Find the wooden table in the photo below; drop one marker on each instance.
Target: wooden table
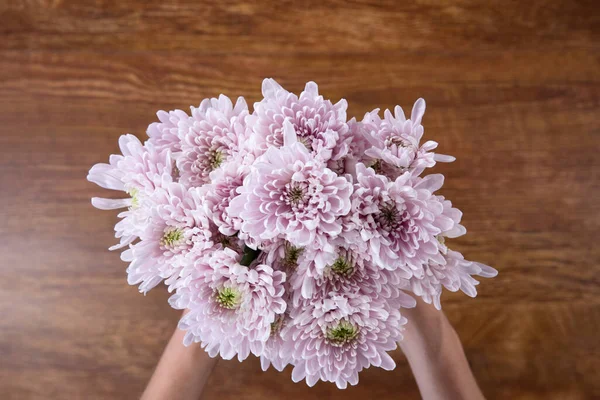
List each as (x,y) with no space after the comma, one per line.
(512,90)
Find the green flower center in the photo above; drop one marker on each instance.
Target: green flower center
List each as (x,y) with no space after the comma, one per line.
(172,237)
(291,256)
(343,267)
(228,298)
(135,200)
(344,332)
(215,159)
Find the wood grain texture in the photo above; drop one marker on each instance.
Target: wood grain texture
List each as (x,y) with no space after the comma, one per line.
(513,91)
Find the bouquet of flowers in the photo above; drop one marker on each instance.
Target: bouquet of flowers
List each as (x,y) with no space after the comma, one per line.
(288,232)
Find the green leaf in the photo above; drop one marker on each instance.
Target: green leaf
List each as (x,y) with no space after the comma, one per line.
(249,256)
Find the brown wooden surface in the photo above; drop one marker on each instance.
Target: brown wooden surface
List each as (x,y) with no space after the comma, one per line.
(513,90)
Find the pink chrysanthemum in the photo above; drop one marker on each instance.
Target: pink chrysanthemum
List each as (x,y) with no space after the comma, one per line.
(289,233)
(290,195)
(214,134)
(138,172)
(271,354)
(317,122)
(346,263)
(351,147)
(231,306)
(348,270)
(455,214)
(217,196)
(399,219)
(334,338)
(454,274)
(282,255)
(177,232)
(395,142)
(164,135)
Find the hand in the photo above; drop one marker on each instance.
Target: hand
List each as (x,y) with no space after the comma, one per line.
(430,344)
(436,356)
(181,372)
